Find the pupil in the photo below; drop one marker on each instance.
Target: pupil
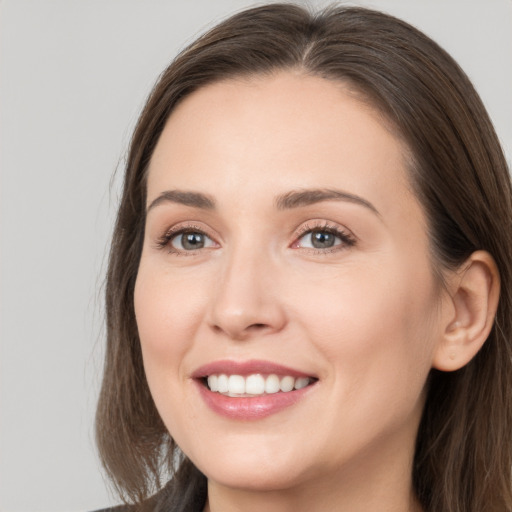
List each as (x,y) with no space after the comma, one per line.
(321,239)
(192,241)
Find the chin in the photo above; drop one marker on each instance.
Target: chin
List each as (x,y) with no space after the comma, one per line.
(253,469)
(254,479)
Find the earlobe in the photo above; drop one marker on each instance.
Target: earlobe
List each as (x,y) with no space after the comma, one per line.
(474,294)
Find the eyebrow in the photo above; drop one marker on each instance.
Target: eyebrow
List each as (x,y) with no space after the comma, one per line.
(290,200)
(299,198)
(193,199)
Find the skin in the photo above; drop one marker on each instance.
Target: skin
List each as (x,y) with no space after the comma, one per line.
(366,318)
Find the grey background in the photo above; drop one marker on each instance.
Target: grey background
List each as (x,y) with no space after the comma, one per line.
(73,77)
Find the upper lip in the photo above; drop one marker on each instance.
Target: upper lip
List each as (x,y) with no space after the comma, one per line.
(231,367)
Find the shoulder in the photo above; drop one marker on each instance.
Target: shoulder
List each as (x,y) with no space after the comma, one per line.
(153,504)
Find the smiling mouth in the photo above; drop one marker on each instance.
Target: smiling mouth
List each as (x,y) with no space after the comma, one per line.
(255,385)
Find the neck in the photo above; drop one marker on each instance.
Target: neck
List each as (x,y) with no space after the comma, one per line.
(220,500)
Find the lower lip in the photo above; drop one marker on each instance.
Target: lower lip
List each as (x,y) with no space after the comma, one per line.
(251,408)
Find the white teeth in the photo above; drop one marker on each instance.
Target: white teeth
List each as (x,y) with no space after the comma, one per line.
(255,384)
(222,384)
(272,384)
(301,382)
(287,384)
(236,384)
(213,382)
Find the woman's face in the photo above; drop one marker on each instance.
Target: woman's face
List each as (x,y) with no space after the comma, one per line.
(284,247)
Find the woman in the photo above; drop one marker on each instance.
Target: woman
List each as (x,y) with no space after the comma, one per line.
(309,297)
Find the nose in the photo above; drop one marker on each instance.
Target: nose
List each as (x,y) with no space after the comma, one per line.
(247,300)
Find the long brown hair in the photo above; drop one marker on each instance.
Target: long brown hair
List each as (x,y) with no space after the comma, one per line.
(463,455)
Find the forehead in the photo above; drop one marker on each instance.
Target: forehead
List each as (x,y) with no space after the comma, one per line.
(267,134)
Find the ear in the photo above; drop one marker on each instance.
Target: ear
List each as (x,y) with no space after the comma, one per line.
(474,291)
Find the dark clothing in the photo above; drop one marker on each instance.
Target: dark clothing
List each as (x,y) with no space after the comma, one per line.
(191,499)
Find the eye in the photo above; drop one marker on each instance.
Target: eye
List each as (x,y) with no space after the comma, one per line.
(185,240)
(320,240)
(190,241)
(324,238)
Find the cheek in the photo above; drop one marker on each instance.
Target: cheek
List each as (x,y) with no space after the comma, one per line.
(167,311)
(168,315)
(377,329)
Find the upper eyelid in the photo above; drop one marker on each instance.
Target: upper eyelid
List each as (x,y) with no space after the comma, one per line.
(191,226)
(323,224)
(164,239)
(345,235)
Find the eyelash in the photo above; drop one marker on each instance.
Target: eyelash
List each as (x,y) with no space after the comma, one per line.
(164,242)
(347,239)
